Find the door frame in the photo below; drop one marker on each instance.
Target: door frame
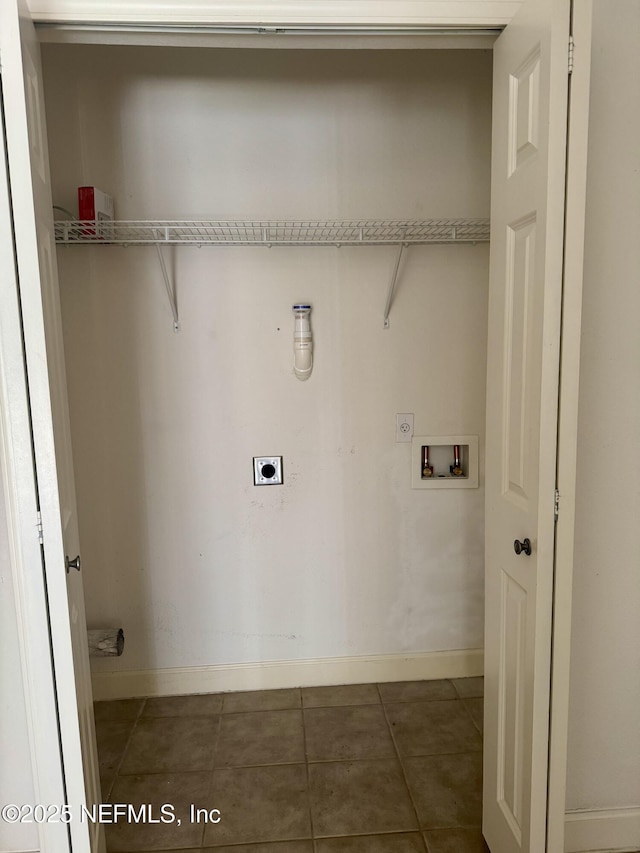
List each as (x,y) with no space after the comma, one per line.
(16,436)
(17,479)
(385,14)
(566,465)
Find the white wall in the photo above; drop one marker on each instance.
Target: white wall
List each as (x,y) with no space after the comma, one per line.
(16,779)
(604,754)
(199,566)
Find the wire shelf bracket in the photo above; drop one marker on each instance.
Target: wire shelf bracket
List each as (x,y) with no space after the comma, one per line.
(361,232)
(392,285)
(171,289)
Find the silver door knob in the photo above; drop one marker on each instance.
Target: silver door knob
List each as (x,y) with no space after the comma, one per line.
(73,564)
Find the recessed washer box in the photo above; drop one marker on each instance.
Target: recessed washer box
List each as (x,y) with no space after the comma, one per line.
(267,470)
(441,459)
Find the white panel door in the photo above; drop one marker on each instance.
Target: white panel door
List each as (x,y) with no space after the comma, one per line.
(39,298)
(527,216)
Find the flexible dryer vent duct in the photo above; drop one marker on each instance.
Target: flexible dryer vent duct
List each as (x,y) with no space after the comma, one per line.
(302,342)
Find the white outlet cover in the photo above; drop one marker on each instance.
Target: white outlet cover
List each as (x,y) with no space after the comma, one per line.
(404,427)
(267,470)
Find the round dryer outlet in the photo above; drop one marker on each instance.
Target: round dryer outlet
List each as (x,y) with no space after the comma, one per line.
(267,470)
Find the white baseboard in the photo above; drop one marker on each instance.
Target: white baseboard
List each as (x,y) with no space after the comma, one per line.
(270,675)
(603,830)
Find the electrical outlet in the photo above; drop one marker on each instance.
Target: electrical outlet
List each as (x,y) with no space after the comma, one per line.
(404,427)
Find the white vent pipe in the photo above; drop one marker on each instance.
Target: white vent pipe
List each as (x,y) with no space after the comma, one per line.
(302,342)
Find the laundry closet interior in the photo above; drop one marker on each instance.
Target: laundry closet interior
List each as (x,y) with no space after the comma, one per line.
(213,578)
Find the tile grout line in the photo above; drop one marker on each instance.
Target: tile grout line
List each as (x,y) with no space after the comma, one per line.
(210,789)
(116,775)
(306,768)
(402,770)
(291,762)
(224,713)
(477,727)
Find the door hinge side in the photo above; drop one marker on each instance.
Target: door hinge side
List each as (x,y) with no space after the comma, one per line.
(556,504)
(571,49)
(39,528)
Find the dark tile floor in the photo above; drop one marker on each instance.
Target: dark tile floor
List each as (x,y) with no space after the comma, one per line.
(363,768)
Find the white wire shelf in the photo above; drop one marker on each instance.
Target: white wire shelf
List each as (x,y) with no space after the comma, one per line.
(362,232)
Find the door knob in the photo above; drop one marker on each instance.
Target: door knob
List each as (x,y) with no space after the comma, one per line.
(72,564)
(523,547)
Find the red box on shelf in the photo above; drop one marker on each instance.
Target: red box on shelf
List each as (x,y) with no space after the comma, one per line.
(94,206)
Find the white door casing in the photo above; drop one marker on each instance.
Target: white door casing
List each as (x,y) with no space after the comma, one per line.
(18,483)
(575,206)
(346,13)
(40,305)
(527,216)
